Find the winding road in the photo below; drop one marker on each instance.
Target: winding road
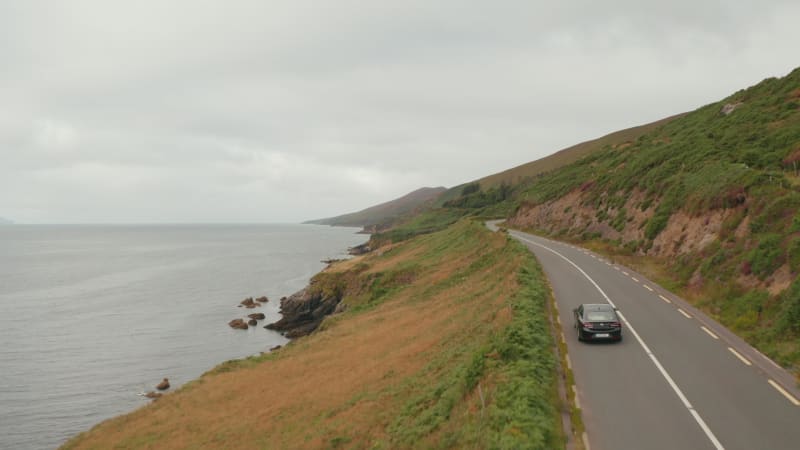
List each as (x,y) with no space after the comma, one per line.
(678,379)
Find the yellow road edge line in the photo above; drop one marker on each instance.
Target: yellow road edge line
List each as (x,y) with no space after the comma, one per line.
(738,355)
(780,389)
(709,332)
(685,314)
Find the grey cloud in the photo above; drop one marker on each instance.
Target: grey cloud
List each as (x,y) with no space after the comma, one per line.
(282,111)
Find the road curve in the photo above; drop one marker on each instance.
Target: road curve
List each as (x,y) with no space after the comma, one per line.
(678,380)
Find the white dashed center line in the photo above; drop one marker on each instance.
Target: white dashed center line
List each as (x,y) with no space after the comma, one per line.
(665,298)
(689,407)
(709,332)
(741,358)
(685,314)
(785,394)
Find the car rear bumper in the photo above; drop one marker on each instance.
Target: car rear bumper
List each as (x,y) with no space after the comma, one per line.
(601,335)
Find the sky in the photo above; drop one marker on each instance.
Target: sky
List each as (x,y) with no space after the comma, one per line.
(289,110)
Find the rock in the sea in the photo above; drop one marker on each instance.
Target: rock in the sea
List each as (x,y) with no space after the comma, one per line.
(277,347)
(252,322)
(257,316)
(153,394)
(238,324)
(164,385)
(247,302)
(262,299)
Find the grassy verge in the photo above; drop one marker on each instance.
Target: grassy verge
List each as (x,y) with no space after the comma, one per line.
(445,344)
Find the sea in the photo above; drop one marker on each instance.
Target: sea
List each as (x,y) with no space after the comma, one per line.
(92,316)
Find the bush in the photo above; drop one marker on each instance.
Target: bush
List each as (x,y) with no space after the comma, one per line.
(767,257)
(793,254)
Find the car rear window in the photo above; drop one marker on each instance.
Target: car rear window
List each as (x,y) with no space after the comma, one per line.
(599,315)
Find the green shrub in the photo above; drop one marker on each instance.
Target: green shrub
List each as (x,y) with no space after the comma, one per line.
(793,254)
(790,317)
(767,257)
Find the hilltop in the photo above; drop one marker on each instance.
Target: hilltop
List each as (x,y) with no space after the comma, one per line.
(383,215)
(527,172)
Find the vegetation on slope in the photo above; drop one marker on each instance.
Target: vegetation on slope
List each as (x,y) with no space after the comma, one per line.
(713,197)
(525,173)
(444,343)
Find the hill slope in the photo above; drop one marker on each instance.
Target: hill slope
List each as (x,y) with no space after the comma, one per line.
(425,355)
(388,212)
(709,200)
(526,172)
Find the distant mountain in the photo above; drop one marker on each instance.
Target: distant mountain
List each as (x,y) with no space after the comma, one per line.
(388,212)
(6,221)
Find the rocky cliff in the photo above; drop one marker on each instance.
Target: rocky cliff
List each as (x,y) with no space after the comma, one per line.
(303,311)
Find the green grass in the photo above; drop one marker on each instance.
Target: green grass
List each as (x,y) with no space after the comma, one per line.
(523,413)
(423,223)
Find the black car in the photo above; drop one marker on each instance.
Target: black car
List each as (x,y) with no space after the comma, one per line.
(597,322)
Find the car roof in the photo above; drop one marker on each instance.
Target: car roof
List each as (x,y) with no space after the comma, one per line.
(598,306)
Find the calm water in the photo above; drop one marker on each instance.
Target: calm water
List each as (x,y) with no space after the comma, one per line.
(90,316)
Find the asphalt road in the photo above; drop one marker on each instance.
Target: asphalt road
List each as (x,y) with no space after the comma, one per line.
(678,379)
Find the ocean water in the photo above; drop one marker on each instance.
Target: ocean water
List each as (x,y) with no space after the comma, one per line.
(92,316)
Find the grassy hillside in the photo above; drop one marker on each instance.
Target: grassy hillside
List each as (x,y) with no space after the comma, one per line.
(444,343)
(710,200)
(384,215)
(526,172)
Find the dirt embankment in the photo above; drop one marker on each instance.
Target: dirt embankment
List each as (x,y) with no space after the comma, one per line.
(576,215)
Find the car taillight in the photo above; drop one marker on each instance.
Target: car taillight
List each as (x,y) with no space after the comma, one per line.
(588,325)
(616,324)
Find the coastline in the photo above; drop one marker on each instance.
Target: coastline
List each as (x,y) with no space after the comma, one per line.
(126,306)
(303,312)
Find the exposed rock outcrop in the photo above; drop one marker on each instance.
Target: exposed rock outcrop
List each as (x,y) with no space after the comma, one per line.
(262,299)
(730,107)
(257,316)
(304,311)
(153,394)
(252,322)
(359,249)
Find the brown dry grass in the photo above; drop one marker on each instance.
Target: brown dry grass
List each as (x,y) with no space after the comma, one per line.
(343,385)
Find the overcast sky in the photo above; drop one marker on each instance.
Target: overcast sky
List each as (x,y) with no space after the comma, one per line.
(283,111)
